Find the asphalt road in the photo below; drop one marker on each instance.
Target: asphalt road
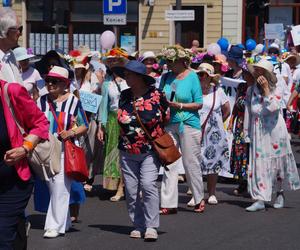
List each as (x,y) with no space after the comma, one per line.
(105,225)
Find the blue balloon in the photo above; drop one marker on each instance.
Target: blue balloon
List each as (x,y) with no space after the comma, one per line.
(250,44)
(240,45)
(223,43)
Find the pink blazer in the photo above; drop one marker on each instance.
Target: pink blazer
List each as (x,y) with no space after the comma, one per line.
(29,116)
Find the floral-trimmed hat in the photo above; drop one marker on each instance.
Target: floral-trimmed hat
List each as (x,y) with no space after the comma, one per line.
(115,53)
(174,53)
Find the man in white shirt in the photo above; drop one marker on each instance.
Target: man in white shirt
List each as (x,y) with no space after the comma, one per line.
(10,31)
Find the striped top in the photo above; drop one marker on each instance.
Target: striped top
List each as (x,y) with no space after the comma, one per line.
(69,113)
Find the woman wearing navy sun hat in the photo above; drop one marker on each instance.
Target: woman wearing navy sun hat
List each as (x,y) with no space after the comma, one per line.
(139,163)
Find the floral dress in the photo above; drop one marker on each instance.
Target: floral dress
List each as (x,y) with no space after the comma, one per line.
(271,164)
(239,151)
(214,146)
(152,108)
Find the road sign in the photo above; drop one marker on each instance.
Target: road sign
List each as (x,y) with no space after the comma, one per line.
(113,7)
(114,20)
(180,15)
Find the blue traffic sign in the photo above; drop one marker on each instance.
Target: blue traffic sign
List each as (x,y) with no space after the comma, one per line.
(7,3)
(111,7)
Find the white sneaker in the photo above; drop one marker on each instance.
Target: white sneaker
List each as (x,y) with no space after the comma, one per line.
(256,206)
(151,234)
(279,202)
(51,233)
(212,200)
(191,203)
(189,192)
(136,234)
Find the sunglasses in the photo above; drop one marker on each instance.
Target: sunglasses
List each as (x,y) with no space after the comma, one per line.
(20,29)
(53,81)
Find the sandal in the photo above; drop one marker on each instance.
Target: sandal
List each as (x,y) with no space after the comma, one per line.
(88,187)
(116,198)
(167,211)
(199,208)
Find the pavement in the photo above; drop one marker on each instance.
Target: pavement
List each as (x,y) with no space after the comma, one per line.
(106,225)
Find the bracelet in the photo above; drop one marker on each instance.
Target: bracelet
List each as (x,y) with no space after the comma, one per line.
(28,145)
(26,150)
(181,106)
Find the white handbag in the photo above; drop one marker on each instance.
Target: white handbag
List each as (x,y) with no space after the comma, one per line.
(45,159)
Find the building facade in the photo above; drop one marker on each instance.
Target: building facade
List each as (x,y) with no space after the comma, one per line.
(147,29)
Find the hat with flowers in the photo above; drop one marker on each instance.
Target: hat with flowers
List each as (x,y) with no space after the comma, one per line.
(173,53)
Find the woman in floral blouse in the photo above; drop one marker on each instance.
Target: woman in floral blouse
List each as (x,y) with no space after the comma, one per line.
(139,164)
(272,162)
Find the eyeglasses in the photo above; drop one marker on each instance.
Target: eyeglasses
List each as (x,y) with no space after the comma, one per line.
(53,81)
(20,29)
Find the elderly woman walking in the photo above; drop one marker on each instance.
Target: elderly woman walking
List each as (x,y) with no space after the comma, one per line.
(272,166)
(16,182)
(141,107)
(182,87)
(64,111)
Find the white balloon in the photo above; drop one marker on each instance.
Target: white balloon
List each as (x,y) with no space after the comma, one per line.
(214,49)
(107,39)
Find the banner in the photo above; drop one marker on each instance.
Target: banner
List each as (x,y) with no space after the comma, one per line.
(274,31)
(90,102)
(296,35)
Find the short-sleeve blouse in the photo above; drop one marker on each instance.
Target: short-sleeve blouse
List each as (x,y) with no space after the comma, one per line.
(68,112)
(152,108)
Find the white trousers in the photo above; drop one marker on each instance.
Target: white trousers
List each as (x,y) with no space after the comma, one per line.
(189,143)
(58,216)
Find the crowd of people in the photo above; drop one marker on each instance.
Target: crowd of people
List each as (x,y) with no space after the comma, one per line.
(178,91)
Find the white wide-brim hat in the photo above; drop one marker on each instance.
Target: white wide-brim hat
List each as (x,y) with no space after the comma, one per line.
(147,55)
(21,54)
(268,69)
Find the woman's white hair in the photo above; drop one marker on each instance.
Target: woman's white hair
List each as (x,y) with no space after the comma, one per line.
(8,19)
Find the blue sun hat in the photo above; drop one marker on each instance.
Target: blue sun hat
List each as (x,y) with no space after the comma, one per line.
(135,67)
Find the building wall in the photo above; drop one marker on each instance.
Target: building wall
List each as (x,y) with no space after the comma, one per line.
(155,32)
(232,20)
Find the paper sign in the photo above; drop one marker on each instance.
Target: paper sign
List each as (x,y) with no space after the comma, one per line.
(180,15)
(274,30)
(296,35)
(90,102)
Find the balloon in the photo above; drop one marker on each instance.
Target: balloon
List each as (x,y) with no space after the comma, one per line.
(223,43)
(214,49)
(250,44)
(240,45)
(259,49)
(107,39)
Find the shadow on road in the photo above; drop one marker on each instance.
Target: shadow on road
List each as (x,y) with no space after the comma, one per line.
(117,229)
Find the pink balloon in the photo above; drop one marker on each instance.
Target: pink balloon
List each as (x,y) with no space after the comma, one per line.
(107,39)
(214,49)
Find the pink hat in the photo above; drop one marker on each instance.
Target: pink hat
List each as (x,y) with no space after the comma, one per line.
(59,72)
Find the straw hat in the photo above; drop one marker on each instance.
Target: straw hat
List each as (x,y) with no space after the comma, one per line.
(268,68)
(207,68)
(294,57)
(60,73)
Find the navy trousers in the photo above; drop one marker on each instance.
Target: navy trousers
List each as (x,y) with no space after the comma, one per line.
(14,196)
